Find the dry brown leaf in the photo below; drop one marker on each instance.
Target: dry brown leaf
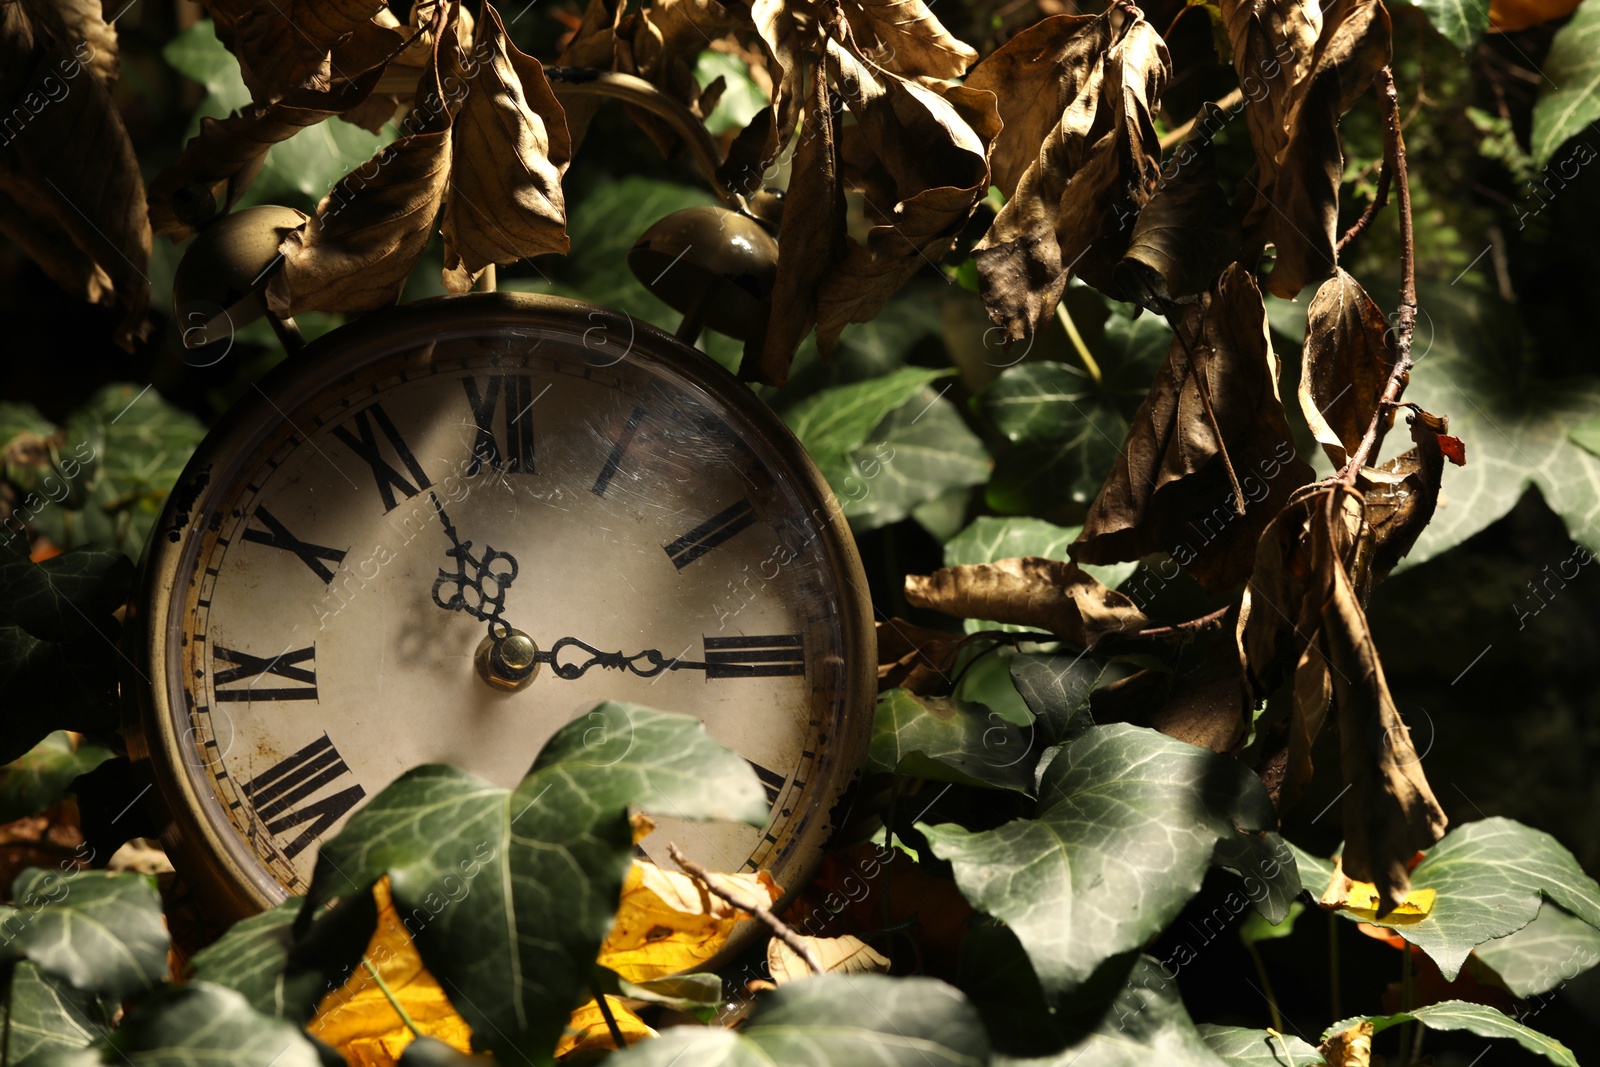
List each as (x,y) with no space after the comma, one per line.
(370,230)
(1073,206)
(1401,497)
(593,47)
(812,236)
(1349,1048)
(1037,76)
(1390,812)
(1054,595)
(357,1018)
(1294,122)
(1214,405)
(83,26)
(509,150)
(668,923)
(916,658)
(1345,365)
(284,45)
(661,43)
(925,168)
(1201,700)
(220,162)
(904,36)
(71,194)
(838,955)
(1183,239)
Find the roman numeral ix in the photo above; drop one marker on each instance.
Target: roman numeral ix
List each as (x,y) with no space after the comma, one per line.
(514,394)
(277,794)
(364,444)
(276,535)
(248,667)
(709,534)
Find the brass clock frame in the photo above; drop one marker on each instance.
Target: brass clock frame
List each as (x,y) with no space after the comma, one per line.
(208,851)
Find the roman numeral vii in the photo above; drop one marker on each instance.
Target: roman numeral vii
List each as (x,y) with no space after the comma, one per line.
(281,795)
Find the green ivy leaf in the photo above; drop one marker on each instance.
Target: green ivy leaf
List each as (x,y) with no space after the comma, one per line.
(1491,877)
(102,933)
(918,453)
(1064,440)
(1315,872)
(1146,1023)
(1480,1019)
(1549,951)
(200,1025)
(947,740)
(68,596)
(42,776)
(1256,927)
(543,864)
(260,959)
(52,685)
(1239,1046)
(1569,98)
(42,1013)
(1128,823)
(914,1022)
(1461,21)
(1056,689)
(836,421)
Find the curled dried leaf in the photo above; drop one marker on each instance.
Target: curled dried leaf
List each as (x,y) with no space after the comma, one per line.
(370,230)
(1209,459)
(1053,595)
(1345,365)
(838,955)
(904,36)
(1199,700)
(1183,239)
(1074,205)
(290,45)
(916,658)
(921,161)
(71,193)
(509,150)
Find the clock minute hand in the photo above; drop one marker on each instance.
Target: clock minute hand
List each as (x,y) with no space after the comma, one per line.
(645,664)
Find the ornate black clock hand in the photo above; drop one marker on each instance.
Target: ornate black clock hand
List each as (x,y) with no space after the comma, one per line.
(480,584)
(726,657)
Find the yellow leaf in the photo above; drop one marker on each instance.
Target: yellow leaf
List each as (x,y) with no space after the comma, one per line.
(587,1030)
(838,955)
(1349,1048)
(1361,900)
(667,923)
(358,1020)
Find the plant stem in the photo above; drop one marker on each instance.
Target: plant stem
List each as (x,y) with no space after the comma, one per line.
(1406,318)
(1077,341)
(388,994)
(1379,199)
(1191,626)
(611,1020)
(1405,1005)
(1333,962)
(750,904)
(1266,985)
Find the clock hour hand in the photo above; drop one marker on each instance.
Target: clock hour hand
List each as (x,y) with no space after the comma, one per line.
(645,664)
(478,584)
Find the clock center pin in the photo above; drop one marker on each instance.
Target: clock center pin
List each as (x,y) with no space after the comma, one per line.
(508,664)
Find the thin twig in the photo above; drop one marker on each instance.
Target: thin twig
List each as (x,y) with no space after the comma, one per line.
(750,904)
(1406,319)
(388,994)
(611,1020)
(1227,103)
(1379,199)
(1191,626)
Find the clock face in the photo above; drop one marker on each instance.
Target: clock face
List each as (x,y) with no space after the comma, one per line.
(491,466)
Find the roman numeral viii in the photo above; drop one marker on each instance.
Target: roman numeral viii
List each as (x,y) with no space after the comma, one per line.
(755,657)
(513,394)
(709,534)
(280,794)
(247,667)
(364,443)
(276,535)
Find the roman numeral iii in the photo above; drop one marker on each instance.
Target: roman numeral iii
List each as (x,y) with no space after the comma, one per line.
(247,667)
(364,443)
(281,795)
(755,657)
(513,394)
